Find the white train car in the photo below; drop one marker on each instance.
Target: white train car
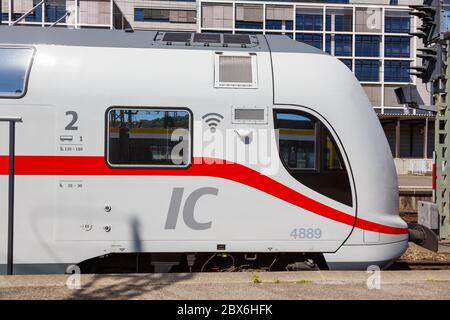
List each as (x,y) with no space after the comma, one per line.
(97,173)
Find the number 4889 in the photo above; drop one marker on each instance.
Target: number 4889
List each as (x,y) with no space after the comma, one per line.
(306,233)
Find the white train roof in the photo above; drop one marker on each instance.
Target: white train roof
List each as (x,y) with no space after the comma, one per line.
(152,39)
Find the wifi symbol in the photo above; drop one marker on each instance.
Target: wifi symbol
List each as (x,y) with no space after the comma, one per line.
(212,120)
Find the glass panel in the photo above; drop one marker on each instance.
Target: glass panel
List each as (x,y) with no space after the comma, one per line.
(339,19)
(342,45)
(299,136)
(164,15)
(396,71)
(314,40)
(14,63)
(217,15)
(309,19)
(328,44)
(149,137)
(367,46)
(331,155)
(297,139)
(249,16)
(279,17)
(397,47)
(54,10)
(367,70)
(396,22)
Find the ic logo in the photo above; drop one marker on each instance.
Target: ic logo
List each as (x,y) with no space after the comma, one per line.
(188,209)
(212,120)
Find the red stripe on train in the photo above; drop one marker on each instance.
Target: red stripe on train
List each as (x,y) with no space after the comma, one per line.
(95,166)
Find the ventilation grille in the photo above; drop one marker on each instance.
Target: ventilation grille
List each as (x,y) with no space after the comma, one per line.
(235,69)
(250,115)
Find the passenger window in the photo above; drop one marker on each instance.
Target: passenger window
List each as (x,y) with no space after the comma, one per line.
(297,140)
(14,66)
(149,137)
(310,154)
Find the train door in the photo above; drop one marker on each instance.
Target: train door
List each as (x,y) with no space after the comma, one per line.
(15,64)
(316,168)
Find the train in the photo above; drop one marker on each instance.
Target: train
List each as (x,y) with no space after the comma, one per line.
(188,151)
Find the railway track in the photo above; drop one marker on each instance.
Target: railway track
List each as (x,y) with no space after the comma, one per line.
(420,265)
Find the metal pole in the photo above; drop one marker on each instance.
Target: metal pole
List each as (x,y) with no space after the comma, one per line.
(60,19)
(397,139)
(425,139)
(12,151)
(10,11)
(12,136)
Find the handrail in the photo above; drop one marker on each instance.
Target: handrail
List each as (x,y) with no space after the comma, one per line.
(12,138)
(10,119)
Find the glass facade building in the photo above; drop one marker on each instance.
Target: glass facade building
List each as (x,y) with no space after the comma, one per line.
(371,40)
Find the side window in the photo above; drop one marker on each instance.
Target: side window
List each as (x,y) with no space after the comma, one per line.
(14,68)
(149,137)
(310,154)
(297,140)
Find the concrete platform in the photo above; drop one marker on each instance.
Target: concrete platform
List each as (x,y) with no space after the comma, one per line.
(244,285)
(412,182)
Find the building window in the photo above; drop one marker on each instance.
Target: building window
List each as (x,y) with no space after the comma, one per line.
(342,21)
(54,10)
(338,44)
(367,46)
(397,24)
(314,40)
(149,137)
(278,24)
(342,45)
(242,24)
(14,68)
(397,47)
(217,16)
(309,22)
(396,71)
(347,62)
(279,17)
(367,70)
(328,44)
(310,154)
(15,16)
(249,16)
(274,24)
(165,15)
